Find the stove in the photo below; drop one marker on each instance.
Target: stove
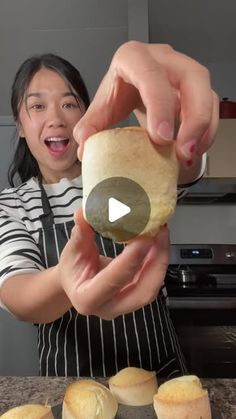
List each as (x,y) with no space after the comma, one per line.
(202,276)
(201,286)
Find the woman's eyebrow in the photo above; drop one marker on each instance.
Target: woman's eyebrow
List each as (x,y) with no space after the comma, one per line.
(66,94)
(33,94)
(38,94)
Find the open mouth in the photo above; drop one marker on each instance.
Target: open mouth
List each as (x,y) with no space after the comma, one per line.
(56,144)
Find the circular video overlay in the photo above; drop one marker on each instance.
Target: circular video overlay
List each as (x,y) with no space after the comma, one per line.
(118,208)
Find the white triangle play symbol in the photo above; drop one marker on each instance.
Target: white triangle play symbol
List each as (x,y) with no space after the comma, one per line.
(116,209)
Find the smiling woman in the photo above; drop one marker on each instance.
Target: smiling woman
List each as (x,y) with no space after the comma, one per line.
(98,306)
(47,117)
(48,98)
(41,254)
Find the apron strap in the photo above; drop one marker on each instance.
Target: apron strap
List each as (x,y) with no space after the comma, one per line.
(47,216)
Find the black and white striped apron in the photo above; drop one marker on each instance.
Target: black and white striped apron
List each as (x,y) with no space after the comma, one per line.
(77,345)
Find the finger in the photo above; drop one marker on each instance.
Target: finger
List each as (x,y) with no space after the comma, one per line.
(197,101)
(175,71)
(152,71)
(136,65)
(83,250)
(113,102)
(149,282)
(112,278)
(194,151)
(133,77)
(82,233)
(209,136)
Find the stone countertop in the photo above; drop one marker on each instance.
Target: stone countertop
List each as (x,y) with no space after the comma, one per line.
(15,391)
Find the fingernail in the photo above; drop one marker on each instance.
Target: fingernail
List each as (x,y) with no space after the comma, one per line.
(189,149)
(188,163)
(165,131)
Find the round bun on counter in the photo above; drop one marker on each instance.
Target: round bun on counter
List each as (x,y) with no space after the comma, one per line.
(134,386)
(29,411)
(129,153)
(182,397)
(88,399)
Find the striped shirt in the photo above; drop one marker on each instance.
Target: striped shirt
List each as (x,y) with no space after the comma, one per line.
(20,212)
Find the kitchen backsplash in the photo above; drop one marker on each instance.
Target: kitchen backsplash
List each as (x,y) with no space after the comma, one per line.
(204,224)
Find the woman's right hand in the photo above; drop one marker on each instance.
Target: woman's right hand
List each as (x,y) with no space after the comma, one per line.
(106,287)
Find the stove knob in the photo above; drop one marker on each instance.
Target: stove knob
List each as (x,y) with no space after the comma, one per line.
(230,255)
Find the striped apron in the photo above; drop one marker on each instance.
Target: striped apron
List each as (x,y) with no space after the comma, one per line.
(78,345)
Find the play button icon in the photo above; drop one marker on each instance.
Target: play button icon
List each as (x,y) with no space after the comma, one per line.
(117,208)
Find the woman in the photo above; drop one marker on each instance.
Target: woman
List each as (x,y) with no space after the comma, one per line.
(39,285)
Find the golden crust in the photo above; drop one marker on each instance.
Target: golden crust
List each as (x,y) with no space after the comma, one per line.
(29,411)
(129,152)
(134,386)
(88,399)
(182,397)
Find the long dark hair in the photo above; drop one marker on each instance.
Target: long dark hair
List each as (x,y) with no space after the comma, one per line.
(24,165)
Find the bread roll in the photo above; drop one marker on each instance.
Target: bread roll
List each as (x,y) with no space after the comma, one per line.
(87,399)
(182,398)
(29,411)
(129,153)
(134,386)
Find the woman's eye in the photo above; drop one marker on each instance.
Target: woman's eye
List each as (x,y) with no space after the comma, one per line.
(37,106)
(70,105)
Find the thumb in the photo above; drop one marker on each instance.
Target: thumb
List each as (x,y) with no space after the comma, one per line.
(97,117)
(83,130)
(82,231)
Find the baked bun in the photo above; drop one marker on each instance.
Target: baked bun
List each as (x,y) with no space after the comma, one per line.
(29,411)
(87,399)
(134,386)
(129,153)
(182,397)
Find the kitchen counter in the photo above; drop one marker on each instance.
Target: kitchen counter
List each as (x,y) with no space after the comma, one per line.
(21,390)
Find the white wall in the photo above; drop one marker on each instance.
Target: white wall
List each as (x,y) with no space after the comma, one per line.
(223,78)
(18,347)
(6,149)
(18,340)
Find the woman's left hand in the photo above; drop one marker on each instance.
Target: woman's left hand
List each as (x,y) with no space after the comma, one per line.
(105,287)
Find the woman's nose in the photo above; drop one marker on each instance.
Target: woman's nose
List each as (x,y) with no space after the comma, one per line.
(55,118)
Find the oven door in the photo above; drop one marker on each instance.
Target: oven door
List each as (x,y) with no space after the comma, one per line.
(207,333)
(202,303)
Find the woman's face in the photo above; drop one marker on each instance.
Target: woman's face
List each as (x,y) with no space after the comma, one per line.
(47,117)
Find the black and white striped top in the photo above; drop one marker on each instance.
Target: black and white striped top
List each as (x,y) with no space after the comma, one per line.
(20,211)
(74,344)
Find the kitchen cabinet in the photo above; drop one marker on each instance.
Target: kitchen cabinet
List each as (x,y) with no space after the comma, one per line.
(221,159)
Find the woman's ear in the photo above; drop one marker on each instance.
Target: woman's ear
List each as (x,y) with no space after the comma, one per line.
(20,130)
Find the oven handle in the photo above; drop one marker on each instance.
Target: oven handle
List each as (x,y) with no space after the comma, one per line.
(202,303)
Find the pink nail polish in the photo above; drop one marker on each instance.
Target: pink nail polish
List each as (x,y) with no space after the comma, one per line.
(189,163)
(189,148)
(192,148)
